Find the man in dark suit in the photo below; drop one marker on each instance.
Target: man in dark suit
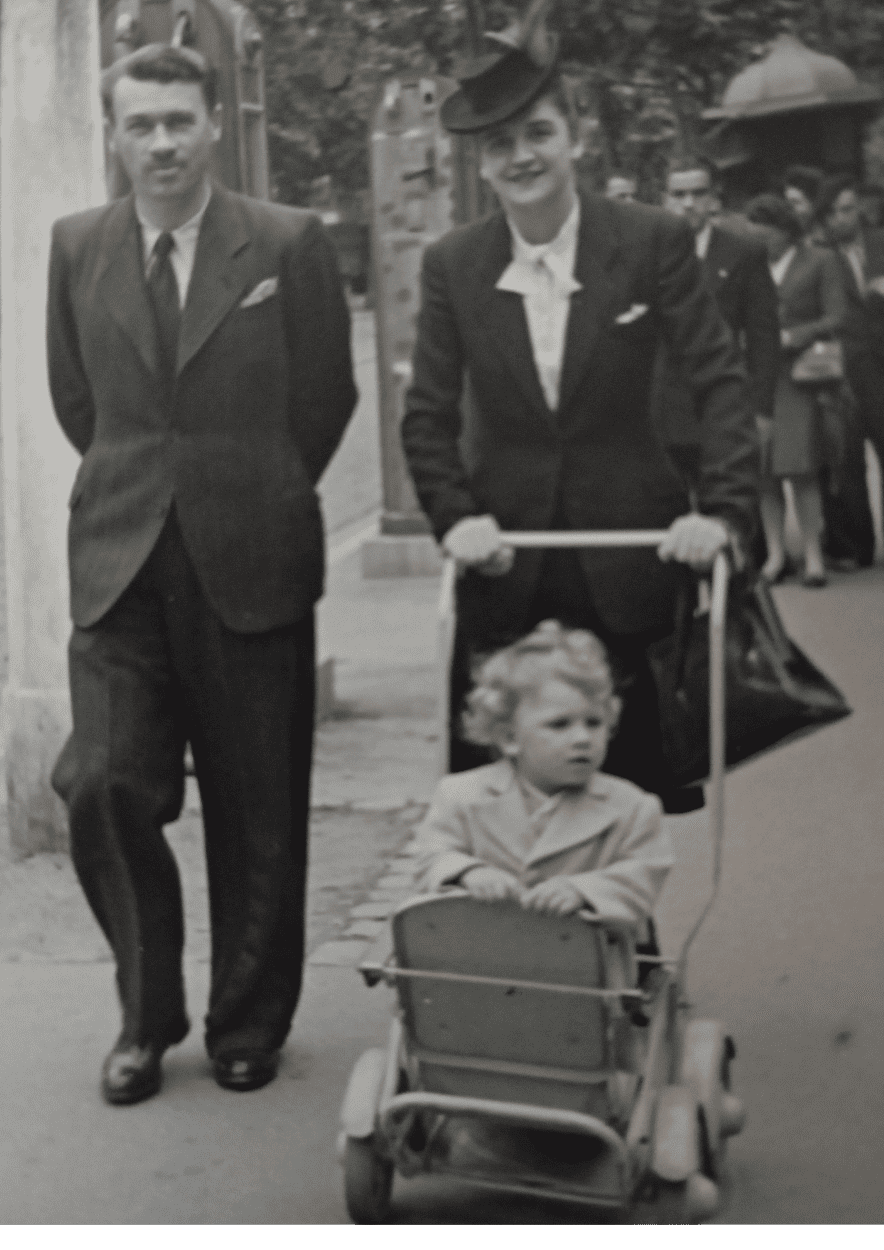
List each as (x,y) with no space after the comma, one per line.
(737,273)
(199,360)
(860,252)
(547,318)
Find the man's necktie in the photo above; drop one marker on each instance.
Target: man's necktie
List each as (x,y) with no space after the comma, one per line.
(163,288)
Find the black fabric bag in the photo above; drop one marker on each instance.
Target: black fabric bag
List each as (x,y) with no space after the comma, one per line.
(774,693)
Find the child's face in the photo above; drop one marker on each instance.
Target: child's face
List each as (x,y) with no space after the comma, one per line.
(559,738)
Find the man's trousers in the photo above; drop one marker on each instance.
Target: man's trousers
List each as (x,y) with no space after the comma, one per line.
(159,670)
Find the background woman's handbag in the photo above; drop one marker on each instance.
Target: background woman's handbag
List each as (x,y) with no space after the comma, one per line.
(774,693)
(823,361)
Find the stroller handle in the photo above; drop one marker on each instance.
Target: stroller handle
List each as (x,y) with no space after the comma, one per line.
(545,539)
(583,538)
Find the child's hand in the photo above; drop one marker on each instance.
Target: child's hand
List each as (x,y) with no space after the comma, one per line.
(556,896)
(491,885)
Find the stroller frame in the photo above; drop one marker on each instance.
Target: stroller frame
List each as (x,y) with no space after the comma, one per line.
(659,1084)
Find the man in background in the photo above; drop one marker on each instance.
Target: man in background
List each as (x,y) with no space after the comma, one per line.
(737,274)
(860,251)
(621,187)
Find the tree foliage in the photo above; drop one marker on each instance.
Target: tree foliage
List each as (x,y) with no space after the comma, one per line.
(645,69)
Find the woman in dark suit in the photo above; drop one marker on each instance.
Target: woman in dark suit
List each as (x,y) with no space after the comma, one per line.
(813,306)
(548,316)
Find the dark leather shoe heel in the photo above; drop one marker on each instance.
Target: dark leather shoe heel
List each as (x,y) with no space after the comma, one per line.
(245,1070)
(131,1074)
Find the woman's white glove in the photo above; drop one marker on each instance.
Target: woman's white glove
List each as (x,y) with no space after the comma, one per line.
(475,543)
(695,540)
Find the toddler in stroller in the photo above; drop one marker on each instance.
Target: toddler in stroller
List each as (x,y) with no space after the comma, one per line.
(543,825)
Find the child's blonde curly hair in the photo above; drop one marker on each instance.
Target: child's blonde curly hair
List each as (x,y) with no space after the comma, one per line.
(574,656)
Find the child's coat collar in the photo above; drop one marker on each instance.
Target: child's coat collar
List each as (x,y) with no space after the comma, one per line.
(580,815)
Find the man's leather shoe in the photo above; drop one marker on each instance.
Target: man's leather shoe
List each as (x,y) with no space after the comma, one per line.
(246,1069)
(131,1074)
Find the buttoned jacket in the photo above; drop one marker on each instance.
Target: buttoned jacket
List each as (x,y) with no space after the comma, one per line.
(863,329)
(607,838)
(480,438)
(237,440)
(738,275)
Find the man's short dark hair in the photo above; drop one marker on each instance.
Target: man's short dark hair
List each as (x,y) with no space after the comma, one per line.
(160,62)
(829,191)
(773,210)
(806,178)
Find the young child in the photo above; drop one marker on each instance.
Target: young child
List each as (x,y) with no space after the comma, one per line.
(543,825)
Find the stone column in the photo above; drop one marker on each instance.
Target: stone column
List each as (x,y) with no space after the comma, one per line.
(51,163)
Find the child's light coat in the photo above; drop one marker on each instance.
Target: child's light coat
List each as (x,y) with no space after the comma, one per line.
(607,838)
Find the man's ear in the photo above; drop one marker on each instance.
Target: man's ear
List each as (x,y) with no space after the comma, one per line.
(577,149)
(216,120)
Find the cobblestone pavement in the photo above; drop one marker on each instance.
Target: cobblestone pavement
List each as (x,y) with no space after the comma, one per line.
(358,872)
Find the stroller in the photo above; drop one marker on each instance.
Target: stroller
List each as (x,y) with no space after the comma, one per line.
(537,1054)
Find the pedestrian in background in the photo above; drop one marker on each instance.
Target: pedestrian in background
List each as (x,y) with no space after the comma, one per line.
(812,308)
(871,205)
(801,186)
(199,361)
(736,272)
(548,316)
(859,252)
(621,187)
(848,531)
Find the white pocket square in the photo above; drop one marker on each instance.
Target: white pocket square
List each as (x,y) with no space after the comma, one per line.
(632,314)
(261,292)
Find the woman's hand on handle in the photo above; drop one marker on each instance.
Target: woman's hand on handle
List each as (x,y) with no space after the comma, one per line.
(475,542)
(695,540)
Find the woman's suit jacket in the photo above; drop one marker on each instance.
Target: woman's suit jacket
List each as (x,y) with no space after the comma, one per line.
(607,838)
(596,460)
(812,306)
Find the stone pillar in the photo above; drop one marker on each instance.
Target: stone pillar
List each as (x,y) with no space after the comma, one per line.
(51,163)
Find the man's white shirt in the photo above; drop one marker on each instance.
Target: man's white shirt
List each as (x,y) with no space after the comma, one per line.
(183,254)
(701,241)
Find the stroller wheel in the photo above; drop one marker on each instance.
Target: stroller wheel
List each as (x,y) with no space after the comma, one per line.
(691,1201)
(368,1182)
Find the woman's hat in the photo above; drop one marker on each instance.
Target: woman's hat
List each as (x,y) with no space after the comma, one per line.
(503,81)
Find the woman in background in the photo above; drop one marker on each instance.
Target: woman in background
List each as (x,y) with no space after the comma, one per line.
(801,186)
(813,306)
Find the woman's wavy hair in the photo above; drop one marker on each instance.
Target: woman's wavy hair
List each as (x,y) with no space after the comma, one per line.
(772,210)
(574,656)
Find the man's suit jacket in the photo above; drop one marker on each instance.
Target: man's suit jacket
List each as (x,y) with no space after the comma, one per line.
(237,442)
(608,838)
(596,462)
(863,330)
(738,275)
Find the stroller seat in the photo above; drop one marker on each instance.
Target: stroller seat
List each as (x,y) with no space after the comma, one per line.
(501,1003)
